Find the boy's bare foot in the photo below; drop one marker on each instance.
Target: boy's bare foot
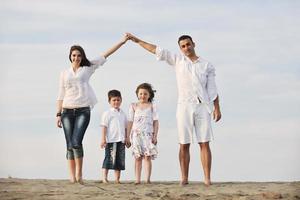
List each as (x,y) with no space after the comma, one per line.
(72,180)
(105,181)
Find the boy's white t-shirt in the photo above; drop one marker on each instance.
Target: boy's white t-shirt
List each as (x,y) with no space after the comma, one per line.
(116,122)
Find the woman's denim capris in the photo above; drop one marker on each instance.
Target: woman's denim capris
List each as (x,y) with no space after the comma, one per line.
(75,122)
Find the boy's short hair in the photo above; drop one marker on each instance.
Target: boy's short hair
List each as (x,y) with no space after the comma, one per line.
(183,37)
(113,93)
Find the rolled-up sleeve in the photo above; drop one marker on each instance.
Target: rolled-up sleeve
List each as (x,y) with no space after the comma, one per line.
(211,83)
(61,89)
(104,120)
(165,55)
(95,64)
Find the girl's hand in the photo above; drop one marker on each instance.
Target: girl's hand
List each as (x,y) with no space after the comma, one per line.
(58,122)
(154,140)
(127,143)
(103,144)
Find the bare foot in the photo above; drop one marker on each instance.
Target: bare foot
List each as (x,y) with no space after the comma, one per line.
(207,183)
(105,181)
(183,183)
(137,183)
(72,180)
(148,182)
(117,182)
(80,181)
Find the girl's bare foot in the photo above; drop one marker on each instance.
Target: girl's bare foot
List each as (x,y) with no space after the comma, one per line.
(80,181)
(137,183)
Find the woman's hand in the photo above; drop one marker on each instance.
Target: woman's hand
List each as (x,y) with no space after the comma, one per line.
(58,122)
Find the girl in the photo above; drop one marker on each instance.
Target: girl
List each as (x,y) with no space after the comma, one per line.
(143,129)
(75,99)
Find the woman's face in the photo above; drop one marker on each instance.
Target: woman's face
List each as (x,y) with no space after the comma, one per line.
(76,57)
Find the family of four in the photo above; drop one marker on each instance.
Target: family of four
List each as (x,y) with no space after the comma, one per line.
(198,102)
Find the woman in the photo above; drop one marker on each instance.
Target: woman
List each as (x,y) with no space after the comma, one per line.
(75,99)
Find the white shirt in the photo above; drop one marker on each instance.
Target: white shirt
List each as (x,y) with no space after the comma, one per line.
(74,87)
(116,122)
(194,79)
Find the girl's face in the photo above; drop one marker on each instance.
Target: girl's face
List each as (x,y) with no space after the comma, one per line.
(76,57)
(143,95)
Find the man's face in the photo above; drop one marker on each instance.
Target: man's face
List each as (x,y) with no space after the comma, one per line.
(187,47)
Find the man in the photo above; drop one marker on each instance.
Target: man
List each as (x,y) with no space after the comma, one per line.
(197,100)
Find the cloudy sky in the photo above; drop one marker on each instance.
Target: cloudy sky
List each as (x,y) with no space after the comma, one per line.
(254,46)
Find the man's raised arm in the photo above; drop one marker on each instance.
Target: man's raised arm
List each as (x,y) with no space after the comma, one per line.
(150,47)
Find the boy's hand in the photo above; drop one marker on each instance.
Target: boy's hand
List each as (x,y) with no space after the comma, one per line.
(103,144)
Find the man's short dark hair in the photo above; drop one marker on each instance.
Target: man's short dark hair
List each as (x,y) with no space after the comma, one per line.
(114,93)
(183,37)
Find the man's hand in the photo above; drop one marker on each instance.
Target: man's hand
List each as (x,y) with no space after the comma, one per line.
(217,114)
(133,38)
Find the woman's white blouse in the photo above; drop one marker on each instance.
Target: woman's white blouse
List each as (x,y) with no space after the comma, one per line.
(74,88)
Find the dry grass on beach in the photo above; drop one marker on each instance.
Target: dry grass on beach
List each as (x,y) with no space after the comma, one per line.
(34,189)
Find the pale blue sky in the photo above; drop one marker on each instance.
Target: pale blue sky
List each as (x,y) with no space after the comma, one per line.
(253,45)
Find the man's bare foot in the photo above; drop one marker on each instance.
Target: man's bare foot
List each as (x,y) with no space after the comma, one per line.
(207,183)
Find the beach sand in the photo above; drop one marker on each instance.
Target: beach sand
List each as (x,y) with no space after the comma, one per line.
(12,188)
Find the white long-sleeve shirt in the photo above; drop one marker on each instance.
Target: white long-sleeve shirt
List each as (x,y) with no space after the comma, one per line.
(74,87)
(194,79)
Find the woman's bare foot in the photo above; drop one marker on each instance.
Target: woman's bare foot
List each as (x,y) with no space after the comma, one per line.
(183,183)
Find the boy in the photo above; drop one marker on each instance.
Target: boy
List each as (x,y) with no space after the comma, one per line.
(113,125)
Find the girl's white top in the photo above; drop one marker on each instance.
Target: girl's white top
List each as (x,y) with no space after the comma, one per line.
(142,118)
(74,88)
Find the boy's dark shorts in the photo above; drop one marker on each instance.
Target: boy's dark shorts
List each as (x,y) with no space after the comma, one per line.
(114,156)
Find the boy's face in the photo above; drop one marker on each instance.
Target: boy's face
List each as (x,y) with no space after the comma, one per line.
(115,102)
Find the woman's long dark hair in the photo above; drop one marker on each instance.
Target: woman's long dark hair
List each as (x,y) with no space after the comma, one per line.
(84,60)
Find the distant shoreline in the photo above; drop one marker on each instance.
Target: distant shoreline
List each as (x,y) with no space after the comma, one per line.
(15,188)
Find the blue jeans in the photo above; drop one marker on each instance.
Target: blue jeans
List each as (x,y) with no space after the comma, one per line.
(75,122)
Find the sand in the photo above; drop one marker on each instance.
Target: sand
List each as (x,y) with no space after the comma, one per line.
(12,188)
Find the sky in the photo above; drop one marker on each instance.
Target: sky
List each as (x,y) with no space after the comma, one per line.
(254,46)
